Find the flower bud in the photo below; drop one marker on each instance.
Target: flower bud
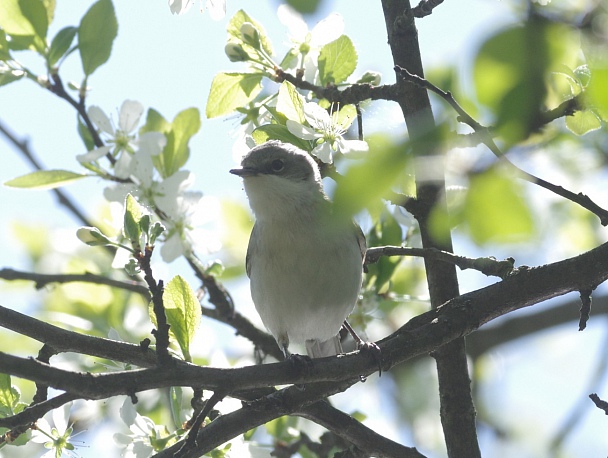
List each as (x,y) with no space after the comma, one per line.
(236,53)
(92,236)
(250,34)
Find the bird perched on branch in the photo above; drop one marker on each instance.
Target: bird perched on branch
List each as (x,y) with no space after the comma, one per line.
(305,264)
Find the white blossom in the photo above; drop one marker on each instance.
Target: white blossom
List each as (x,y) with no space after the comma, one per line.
(327,131)
(122,141)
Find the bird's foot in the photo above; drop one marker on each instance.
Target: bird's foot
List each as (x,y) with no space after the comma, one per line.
(374,350)
(300,365)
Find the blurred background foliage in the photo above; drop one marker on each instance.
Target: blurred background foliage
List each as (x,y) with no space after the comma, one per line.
(530,389)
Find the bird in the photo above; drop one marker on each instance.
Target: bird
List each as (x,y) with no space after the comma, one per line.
(305,264)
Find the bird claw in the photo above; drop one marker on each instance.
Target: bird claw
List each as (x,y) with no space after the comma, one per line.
(374,350)
(300,365)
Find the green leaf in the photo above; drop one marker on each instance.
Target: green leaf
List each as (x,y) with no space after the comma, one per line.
(10,76)
(85,134)
(93,236)
(337,61)
(176,153)
(304,6)
(175,404)
(26,21)
(278,132)
(234,30)
(290,103)
(511,69)
(183,312)
(44,179)
(368,181)
(9,396)
(155,122)
(232,90)
(495,209)
(598,89)
(5,53)
(96,33)
(346,116)
(60,44)
(582,122)
(133,215)
(386,232)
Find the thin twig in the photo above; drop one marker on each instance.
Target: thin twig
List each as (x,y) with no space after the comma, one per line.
(161,333)
(41,280)
(580,198)
(23,147)
(487,265)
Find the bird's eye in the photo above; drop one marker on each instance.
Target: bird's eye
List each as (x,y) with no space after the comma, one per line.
(277,165)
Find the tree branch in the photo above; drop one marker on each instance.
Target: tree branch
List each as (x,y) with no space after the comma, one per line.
(41,280)
(425,8)
(326,376)
(456,401)
(580,198)
(355,432)
(63,199)
(487,265)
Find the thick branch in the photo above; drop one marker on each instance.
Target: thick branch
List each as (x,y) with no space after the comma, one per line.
(456,402)
(355,432)
(68,341)
(421,335)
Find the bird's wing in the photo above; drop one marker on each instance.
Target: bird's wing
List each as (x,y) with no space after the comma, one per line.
(251,248)
(360,239)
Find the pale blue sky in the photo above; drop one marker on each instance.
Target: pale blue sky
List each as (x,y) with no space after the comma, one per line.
(167,62)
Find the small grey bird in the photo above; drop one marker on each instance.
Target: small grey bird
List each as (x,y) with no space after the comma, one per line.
(305,266)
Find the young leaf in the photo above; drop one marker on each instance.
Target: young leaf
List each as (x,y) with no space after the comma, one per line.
(184,126)
(44,179)
(9,396)
(133,215)
(290,103)
(60,44)
(155,122)
(234,30)
(96,33)
(26,21)
(183,312)
(337,61)
(582,122)
(278,132)
(365,183)
(230,91)
(495,209)
(92,236)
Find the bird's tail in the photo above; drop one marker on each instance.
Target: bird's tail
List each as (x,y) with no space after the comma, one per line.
(319,349)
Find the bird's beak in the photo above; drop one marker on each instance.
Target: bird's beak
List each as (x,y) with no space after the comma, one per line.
(244,172)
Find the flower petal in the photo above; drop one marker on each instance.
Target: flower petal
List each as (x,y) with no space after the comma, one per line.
(302,131)
(124,165)
(352,146)
(323,152)
(291,19)
(316,116)
(152,142)
(94,154)
(329,29)
(216,8)
(100,119)
(130,112)
(172,248)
